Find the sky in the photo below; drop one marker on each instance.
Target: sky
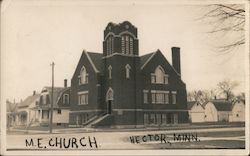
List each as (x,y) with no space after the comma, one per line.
(35,33)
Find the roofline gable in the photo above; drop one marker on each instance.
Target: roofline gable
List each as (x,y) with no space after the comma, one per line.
(150,58)
(153,55)
(91,62)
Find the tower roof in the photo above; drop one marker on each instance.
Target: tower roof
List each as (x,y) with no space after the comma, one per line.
(117,29)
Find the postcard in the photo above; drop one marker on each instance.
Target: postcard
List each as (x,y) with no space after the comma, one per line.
(115,77)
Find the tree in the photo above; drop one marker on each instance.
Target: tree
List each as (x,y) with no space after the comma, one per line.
(201,95)
(228,21)
(241,96)
(226,87)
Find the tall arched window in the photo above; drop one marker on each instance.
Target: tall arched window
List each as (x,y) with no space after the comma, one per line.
(127,44)
(110,45)
(159,76)
(127,68)
(83,77)
(123,44)
(110,72)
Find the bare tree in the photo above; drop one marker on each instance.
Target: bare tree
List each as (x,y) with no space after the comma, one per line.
(228,21)
(241,96)
(226,87)
(201,95)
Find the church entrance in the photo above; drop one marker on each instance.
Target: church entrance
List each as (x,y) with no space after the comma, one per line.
(109,107)
(109,99)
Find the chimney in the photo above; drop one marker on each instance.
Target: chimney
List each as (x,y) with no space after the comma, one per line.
(176,60)
(34,92)
(65,83)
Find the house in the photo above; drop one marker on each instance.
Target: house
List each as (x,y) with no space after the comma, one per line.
(61,97)
(119,88)
(25,115)
(217,110)
(11,113)
(238,111)
(196,112)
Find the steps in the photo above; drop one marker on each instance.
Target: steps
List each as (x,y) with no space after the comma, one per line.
(104,120)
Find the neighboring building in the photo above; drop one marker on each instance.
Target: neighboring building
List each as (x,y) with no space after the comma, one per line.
(196,112)
(25,116)
(61,98)
(121,88)
(217,110)
(11,113)
(238,112)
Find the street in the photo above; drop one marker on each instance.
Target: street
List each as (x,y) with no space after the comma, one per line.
(212,138)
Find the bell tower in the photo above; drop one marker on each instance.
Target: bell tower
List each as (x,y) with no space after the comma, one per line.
(121,72)
(120,38)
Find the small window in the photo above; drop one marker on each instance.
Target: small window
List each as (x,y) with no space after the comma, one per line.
(173,97)
(237,115)
(110,72)
(48,112)
(65,98)
(153,78)
(127,71)
(153,97)
(166,98)
(145,96)
(83,98)
(59,111)
(83,77)
(166,79)
(44,99)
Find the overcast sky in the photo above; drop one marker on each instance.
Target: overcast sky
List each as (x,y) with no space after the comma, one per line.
(35,33)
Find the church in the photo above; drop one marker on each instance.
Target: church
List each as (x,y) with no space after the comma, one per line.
(120,88)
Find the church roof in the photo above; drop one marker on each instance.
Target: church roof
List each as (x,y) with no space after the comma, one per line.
(96,58)
(146,58)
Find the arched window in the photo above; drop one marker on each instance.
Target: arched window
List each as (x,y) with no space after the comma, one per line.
(110,45)
(127,69)
(123,44)
(83,77)
(127,44)
(110,94)
(159,76)
(110,72)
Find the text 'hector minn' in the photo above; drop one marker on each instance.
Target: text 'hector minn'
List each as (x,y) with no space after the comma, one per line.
(165,138)
(62,143)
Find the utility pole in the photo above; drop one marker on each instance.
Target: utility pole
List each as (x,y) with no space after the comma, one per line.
(52,101)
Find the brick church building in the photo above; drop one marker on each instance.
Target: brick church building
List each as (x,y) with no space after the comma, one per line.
(120,88)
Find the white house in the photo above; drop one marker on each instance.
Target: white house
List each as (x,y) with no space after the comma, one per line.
(11,110)
(238,112)
(61,108)
(25,115)
(217,110)
(196,112)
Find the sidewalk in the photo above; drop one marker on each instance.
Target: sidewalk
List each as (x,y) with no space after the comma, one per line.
(62,130)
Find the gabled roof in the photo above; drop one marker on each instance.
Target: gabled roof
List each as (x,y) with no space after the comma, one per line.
(11,107)
(57,92)
(144,59)
(96,58)
(29,100)
(190,104)
(221,105)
